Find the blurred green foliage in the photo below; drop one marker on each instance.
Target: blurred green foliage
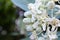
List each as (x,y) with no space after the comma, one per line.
(7,18)
(7,12)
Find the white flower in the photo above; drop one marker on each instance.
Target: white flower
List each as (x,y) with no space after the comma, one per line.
(48,31)
(50,5)
(35,25)
(54,21)
(31,6)
(29,28)
(53,36)
(27,20)
(34,8)
(48,19)
(39,12)
(28,14)
(58,6)
(39,30)
(33,19)
(38,19)
(32,37)
(42,7)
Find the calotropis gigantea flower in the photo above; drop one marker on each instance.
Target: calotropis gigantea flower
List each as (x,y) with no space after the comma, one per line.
(38,20)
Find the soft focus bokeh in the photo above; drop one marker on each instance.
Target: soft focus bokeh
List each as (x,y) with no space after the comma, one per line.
(11,21)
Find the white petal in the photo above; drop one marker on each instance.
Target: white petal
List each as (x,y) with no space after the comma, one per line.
(55,32)
(39,12)
(58,6)
(48,31)
(38,4)
(33,19)
(58,25)
(38,29)
(27,14)
(32,37)
(29,28)
(57,13)
(27,20)
(53,28)
(31,6)
(44,35)
(35,25)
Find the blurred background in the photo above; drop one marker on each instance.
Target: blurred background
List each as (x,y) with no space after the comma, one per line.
(11,21)
(11,16)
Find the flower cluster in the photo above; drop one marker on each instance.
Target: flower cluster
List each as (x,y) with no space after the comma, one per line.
(38,20)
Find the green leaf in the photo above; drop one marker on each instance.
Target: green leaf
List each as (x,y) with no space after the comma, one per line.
(22,3)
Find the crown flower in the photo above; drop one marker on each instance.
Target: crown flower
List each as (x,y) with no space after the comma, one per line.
(39,22)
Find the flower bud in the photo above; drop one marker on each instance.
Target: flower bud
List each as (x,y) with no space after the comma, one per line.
(27,20)
(28,14)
